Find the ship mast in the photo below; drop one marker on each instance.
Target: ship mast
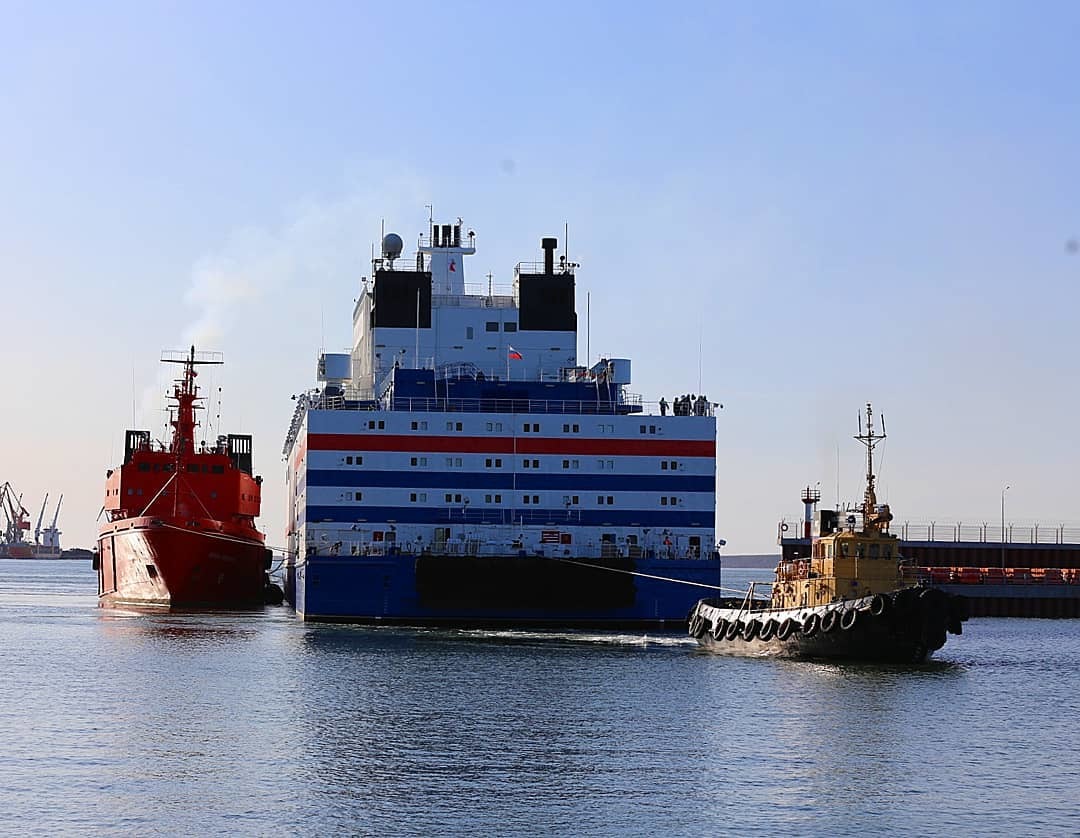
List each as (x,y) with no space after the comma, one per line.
(870,440)
(185,394)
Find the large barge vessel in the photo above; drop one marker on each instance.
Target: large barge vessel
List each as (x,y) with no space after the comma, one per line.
(460,467)
(180,529)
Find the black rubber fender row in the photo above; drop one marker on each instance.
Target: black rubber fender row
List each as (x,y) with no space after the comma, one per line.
(828,622)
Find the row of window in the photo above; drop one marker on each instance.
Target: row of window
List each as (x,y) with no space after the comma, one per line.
(873,552)
(496,462)
(527,500)
(527,427)
(193,468)
(156,467)
(493,326)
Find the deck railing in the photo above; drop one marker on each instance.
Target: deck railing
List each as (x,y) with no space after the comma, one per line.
(957,532)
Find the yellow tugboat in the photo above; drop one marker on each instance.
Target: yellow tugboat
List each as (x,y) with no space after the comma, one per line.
(846,601)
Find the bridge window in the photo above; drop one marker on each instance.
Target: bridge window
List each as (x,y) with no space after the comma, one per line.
(509,327)
(144,466)
(492,326)
(217,469)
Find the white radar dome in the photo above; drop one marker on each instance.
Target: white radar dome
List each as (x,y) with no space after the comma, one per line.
(392,245)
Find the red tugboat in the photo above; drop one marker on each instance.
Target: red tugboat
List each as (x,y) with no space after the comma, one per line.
(181,519)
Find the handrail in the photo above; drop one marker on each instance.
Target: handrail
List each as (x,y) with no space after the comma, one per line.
(628,404)
(959,532)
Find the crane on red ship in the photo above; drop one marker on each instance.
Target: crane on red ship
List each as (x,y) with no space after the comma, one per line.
(16,518)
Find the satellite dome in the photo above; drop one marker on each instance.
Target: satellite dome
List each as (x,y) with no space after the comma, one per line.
(392,245)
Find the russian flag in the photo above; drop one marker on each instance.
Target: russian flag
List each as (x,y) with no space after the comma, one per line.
(513,353)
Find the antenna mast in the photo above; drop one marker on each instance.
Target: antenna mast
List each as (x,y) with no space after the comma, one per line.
(870,440)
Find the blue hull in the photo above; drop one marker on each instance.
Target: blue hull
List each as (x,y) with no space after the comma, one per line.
(501,591)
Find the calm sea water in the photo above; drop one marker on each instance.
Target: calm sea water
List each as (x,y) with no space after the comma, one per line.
(257,724)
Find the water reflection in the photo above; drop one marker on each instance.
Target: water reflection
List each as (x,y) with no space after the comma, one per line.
(231,723)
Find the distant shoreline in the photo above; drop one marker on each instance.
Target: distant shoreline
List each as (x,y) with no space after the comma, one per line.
(749,562)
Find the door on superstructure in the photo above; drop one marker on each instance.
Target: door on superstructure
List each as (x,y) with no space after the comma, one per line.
(608,548)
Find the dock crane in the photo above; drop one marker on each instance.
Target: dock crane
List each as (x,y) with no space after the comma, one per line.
(52,534)
(41,514)
(15,520)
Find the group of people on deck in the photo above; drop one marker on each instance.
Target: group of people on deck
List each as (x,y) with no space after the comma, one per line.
(686,405)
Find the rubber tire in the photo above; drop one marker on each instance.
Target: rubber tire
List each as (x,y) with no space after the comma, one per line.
(718,628)
(697,626)
(810,625)
(750,630)
(933,602)
(903,600)
(733,630)
(879,605)
(849,619)
(787,628)
(831,621)
(768,629)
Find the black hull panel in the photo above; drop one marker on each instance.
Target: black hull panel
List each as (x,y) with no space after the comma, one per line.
(905,626)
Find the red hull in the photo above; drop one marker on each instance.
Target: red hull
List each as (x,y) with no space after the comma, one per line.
(155,562)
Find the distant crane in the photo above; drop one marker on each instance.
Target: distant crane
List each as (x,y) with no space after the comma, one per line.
(41,514)
(52,534)
(15,516)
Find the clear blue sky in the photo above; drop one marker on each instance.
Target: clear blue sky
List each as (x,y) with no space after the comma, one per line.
(837,202)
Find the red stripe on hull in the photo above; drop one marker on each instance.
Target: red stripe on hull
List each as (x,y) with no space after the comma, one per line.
(151,562)
(507,445)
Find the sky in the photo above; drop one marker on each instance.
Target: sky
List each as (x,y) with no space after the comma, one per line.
(794,208)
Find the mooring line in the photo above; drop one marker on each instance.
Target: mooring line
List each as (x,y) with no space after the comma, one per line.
(660,578)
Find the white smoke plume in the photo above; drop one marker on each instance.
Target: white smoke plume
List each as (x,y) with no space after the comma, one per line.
(321,243)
